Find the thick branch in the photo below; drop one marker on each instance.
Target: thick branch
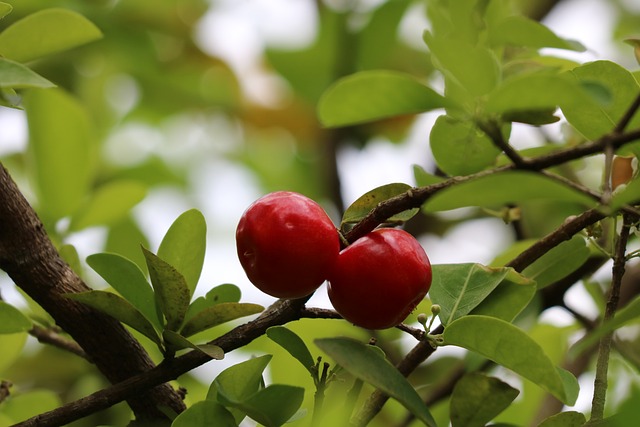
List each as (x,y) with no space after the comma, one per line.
(33,263)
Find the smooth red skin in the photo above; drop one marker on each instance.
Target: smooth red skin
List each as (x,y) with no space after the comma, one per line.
(286,244)
(380,278)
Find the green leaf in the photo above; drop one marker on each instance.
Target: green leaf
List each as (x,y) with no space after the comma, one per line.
(218,314)
(61,148)
(424,178)
(118,308)
(130,282)
(596,119)
(184,245)
(510,347)
(17,76)
(29,404)
(564,419)
(365,203)
(170,289)
(559,262)
(5,9)
(11,345)
(509,298)
(459,288)
(272,406)
(629,195)
(108,204)
(536,91)
(174,342)
(46,32)
(364,363)
(374,95)
(524,32)
(504,188)
(291,342)
(459,148)
(475,69)
(477,399)
(205,413)
(12,320)
(217,295)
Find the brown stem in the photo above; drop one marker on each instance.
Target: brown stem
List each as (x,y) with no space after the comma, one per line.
(33,263)
(52,337)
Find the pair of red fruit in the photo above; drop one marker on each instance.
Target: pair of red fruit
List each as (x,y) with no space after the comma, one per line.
(288,247)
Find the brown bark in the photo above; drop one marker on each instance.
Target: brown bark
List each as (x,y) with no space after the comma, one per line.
(29,257)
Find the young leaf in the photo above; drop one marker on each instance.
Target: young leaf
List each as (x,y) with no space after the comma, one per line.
(217,295)
(477,399)
(118,308)
(504,188)
(61,145)
(460,148)
(363,362)
(564,419)
(17,76)
(274,405)
(558,262)
(510,347)
(365,203)
(240,381)
(184,246)
(424,178)
(524,32)
(129,281)
(108,204)
(218,314)
(205,413)
(12,320)
(291,342)
(46,32)
(174,342)
(374,95)
(459,288)
(170,289)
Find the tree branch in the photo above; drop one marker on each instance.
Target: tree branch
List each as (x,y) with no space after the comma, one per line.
(33,263)
(52,337)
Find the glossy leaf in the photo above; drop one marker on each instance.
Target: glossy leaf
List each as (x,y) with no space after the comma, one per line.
(524,32)
(364,363)
(510,347)
(294,345)
(365,203)
(118,308)
(61,143)
(129,281)
(5,9)
(108,204)
(217,295)
(46,32)
(460,148)
(170,289)
(217,315)
(17,76)
(504,188)
(459,288)
(558,262)
(477,399)
(274,405)
(374,95)
(184,245)
(596,119)
(174,342)
(205,413)
(473,68)
(564,419)
(509,298)
(12,320)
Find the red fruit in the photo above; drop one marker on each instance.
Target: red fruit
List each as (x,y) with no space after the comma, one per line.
(380,278)
(286,244)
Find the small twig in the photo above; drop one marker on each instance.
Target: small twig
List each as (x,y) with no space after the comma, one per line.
(492,130)
(602,366)
(628,115)
(52,337)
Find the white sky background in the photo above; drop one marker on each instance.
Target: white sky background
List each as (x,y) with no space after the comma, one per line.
(237,30)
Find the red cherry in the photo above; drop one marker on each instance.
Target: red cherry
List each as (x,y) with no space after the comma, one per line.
(380,278)
(287,244)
